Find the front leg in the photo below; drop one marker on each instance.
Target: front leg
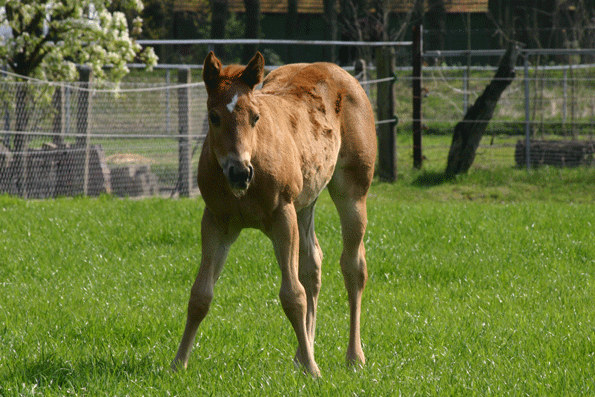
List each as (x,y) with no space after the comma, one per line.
(285,236)
(216,241)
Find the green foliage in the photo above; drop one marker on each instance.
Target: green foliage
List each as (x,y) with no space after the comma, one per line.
(467,295)
(49,38)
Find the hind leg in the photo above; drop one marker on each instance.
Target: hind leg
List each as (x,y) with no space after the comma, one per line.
(351,205)
(309,269)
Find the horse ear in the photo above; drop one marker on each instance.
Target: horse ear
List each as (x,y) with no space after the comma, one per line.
(253,72)
(211,69)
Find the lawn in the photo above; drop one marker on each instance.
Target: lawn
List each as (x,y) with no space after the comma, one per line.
(478,285)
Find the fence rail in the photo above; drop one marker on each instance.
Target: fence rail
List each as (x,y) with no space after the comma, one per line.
(276,42)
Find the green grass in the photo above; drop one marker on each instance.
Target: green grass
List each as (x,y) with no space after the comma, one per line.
(478,285)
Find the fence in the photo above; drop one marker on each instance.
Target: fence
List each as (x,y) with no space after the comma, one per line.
(83,139)
(144,138)
(546,115)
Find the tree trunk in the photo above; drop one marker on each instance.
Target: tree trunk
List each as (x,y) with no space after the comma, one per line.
(330,17)
(219,9)
(469,131)
(252,28)
(291,28)
(436,20)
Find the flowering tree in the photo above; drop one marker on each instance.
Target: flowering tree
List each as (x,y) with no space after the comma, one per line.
(48,38)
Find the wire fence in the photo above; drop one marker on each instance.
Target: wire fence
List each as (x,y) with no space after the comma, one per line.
(144,137)
(139,139)
(546,115)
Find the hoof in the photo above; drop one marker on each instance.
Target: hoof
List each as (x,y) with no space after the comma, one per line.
(356,360)
(311,370)
(177,365)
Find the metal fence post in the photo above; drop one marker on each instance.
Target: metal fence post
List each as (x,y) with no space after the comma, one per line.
(184,173)
(465,90)
(416,49)
(572,100)
(167,109)
(67,113)
(527,113)
(565,93)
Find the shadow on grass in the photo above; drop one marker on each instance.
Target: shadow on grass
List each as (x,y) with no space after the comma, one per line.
(50,372)
(432,178)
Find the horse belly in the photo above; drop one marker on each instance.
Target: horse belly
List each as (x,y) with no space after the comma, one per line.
(318,165)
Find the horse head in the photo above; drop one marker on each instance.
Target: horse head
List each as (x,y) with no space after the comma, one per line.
(233,117)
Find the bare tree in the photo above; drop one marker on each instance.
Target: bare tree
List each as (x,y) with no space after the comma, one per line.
(365,20)
(468,132)
(436,21)
(330,18)
(544,24)
(291,26)
(252,27)
(220,13)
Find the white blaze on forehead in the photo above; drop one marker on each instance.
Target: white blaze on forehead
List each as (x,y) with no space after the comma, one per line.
(231,105)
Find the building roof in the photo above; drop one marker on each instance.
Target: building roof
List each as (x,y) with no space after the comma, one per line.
(190,5)
(280,6)
(317,7)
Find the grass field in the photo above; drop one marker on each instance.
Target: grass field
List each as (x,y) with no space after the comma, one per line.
(479,285)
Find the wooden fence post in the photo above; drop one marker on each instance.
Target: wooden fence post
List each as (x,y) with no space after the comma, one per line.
(21,139)
(184,172)
(59,125)
(416,50)
(6,138)
(387,148)
(83,138)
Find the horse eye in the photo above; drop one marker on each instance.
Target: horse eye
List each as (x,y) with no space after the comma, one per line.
(255,118)
(214,118)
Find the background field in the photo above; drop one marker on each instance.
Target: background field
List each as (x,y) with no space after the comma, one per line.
(478,285)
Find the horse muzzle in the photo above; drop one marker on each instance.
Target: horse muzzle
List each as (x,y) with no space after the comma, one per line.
(239,175)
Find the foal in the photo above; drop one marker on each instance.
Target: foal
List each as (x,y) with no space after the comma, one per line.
(267,156)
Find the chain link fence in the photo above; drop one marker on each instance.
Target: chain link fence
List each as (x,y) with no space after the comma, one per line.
(138,139)
(551,106)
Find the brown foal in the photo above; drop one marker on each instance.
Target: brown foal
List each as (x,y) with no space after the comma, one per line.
(267,156)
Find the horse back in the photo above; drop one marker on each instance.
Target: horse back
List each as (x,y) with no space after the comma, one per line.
(332,91)
(341,107)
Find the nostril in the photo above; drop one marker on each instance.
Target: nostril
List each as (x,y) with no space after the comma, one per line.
(239,174)
(251,173)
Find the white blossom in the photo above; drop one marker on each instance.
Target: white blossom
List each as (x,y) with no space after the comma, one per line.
(81,31)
